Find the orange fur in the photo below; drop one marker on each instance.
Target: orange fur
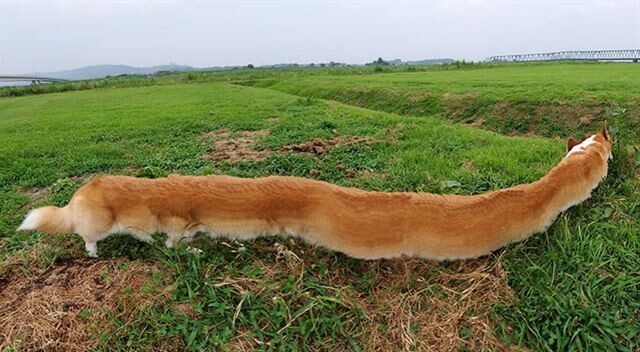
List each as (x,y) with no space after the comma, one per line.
(359,223)
(571,142)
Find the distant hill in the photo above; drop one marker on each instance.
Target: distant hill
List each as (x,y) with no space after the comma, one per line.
(428,62)
(397,62)
(100,71)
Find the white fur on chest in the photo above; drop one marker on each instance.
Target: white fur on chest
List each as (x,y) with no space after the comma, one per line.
(582,146)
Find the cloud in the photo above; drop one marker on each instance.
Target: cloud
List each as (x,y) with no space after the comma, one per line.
(54,35)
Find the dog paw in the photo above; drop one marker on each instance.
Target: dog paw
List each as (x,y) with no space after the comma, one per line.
(170,243)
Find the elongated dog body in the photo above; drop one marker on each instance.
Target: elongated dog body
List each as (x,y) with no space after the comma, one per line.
(359,223)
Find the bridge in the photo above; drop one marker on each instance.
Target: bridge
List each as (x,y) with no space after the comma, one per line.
(30,78)
(584,55)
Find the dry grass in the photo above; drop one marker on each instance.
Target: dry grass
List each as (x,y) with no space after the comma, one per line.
(415,305)
(67,305)
(241,342)
(442,312)
(236,147)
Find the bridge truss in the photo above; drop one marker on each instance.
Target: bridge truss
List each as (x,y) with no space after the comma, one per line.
(585,55)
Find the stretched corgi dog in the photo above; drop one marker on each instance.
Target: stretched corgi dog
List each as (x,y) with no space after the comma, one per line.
(358,223)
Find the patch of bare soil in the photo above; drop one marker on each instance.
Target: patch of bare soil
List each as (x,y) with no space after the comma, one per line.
(236,147)
(36,195)
(319,146)
(242,146)
(65,306)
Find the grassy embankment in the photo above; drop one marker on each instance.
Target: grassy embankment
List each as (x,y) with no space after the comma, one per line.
(575,285)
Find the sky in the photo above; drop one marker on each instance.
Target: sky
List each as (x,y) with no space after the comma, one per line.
(40,36)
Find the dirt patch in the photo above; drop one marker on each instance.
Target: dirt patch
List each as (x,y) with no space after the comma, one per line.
(319,146)
(36,195)
(65,306)
(235,147)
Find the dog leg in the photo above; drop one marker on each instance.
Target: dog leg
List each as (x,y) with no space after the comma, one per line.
(92,249)
(171,241)
(188,238)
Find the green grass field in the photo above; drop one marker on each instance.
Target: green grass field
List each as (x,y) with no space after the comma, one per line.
(446,130)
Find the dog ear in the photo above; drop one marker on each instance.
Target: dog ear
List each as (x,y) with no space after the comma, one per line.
(605,130)
(571,142)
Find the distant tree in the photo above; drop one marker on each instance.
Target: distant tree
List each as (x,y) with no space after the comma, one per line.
(250,66)
(380,62)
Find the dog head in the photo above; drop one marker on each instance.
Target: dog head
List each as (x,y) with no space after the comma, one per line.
(600,141)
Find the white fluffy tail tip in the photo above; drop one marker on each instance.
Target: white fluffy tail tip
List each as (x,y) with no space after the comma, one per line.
(30,223)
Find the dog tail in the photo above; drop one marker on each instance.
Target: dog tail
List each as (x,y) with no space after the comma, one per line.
(48,219)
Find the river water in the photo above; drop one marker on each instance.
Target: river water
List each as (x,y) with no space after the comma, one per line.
(14,83)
